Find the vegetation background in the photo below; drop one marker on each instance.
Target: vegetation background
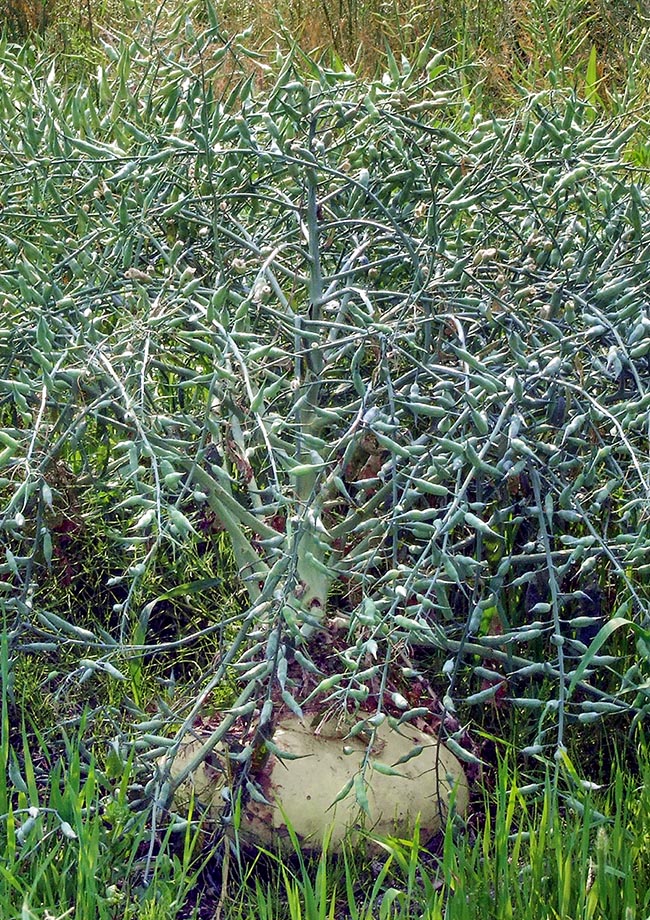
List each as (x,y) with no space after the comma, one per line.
(114,639)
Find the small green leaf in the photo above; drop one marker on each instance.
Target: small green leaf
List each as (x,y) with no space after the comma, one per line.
(15,775)
(360,793)
(179,520)
(67,831)
(384,768)
(480,525)
(256,794)
(591,79)
(288,699)
(272,748)
(601,638)
(342,794)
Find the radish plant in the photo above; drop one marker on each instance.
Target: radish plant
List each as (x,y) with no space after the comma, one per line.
(396,354)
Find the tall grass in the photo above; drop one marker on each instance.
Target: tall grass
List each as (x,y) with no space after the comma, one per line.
(579,856)
(72,847)
(508,44)
(72,843)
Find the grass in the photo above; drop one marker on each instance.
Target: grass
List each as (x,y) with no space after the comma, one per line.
(579,855)
(73,845)
(75,842)
(508,47)
(532,44)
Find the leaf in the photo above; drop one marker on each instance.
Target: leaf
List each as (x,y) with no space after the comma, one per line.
(342,794)
(384,768)
(283,755)
(288,699)
(187,588)
(607,630)
(67,831)
(179,520)
(480,525)
(360,793)
(591,79)
(15,775)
